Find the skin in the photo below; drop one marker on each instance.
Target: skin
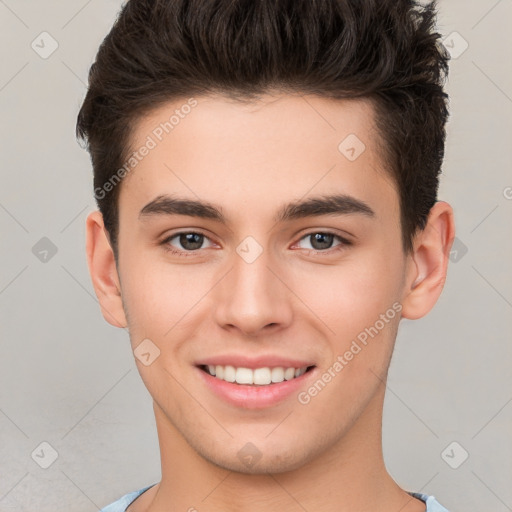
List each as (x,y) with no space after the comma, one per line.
(250,160)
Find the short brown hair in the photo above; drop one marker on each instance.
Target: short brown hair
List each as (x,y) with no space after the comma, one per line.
(383,50)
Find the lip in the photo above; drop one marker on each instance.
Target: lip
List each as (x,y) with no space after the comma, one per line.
(251,396)
(241,361)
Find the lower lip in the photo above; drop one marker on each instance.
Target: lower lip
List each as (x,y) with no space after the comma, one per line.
(250,396)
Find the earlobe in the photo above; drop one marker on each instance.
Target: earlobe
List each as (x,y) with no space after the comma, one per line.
(103,270)
(428,263)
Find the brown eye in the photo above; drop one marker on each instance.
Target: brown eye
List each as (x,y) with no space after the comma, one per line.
(191,241)
(321,241)
(186,241)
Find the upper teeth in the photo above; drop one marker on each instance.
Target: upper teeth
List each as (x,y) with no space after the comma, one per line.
(258,376)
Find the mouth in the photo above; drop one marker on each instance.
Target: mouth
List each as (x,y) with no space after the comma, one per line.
(260,387)
(264,376)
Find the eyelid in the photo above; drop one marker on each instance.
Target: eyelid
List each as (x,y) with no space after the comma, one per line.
(168,237)
(331,231)
(344,240)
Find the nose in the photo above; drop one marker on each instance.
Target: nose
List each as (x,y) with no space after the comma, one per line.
(253,298)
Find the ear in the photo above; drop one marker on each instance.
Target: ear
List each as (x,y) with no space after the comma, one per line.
(103,270)
(427,264)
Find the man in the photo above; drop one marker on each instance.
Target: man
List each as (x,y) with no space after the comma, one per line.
(266,173)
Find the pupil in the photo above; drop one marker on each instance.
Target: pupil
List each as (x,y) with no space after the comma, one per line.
(321,240)
(191,241)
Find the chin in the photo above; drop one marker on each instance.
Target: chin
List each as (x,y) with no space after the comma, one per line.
(259,458)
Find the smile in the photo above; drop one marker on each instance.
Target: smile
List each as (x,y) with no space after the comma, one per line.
(257,376)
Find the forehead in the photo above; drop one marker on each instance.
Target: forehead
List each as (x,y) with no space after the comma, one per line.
(279,146)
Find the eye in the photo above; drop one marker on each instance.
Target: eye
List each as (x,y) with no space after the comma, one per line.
(322,241)
(188,241)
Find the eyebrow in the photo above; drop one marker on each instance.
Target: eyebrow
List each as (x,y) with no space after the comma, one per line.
(337,204)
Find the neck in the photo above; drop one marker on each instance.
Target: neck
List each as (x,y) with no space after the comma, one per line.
(351,475)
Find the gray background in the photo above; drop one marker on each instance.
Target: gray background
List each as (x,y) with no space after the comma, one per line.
(69,379)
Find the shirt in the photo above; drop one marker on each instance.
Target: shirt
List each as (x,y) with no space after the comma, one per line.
(122,503)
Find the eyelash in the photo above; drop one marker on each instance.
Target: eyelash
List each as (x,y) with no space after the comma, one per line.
(168,248)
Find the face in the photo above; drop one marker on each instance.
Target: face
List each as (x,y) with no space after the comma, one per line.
(255,238)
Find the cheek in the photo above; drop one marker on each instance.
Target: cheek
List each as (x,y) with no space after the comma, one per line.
(350,296)
(347,296)
(359,310)
(160,296)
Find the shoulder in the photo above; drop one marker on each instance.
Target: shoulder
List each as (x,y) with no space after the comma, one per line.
(432,504)
(122,503)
